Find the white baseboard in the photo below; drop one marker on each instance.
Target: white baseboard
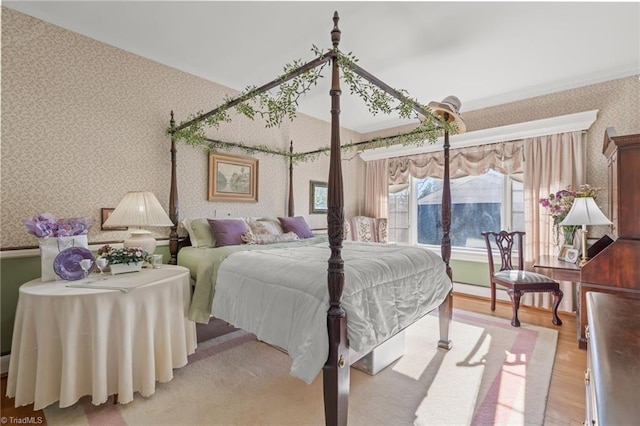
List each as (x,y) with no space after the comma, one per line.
(4,364)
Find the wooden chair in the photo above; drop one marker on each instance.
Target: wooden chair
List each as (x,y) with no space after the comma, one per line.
(517,280)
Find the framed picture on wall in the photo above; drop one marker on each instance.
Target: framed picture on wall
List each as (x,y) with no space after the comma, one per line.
(105,212)
(232,178)
(318,193)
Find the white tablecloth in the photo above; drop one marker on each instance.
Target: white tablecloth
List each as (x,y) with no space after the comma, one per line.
(70,342)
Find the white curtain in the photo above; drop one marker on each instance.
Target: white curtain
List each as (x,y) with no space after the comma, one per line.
(376,188)
(551,163)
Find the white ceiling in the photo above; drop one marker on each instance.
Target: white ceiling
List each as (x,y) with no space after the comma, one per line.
(484,53)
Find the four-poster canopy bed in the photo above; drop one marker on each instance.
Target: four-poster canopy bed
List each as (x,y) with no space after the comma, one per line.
(336,367)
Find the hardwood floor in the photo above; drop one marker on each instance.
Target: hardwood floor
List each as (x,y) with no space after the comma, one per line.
(566,401)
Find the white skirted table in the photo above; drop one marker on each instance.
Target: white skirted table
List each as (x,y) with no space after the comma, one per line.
(118,336)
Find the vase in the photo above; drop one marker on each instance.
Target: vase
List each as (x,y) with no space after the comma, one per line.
(123,268)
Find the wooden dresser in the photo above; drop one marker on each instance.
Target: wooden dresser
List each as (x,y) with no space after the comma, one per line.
(616,269)
(612,378)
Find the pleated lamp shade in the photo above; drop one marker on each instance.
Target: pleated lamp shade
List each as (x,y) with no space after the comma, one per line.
(139,208)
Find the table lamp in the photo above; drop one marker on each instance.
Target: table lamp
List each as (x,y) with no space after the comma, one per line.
(585,211)
(136,209)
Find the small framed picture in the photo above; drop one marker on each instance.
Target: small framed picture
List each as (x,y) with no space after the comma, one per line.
(318,193)
(563,251)
(571,256)
(106,212)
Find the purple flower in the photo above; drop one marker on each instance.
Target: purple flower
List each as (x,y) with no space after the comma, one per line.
(559,204)
(46,225)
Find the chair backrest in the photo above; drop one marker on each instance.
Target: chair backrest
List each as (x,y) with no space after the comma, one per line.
(505,242)
(369,229)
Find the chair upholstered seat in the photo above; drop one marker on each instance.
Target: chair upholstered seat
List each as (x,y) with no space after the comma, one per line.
(520,277)
(517,279)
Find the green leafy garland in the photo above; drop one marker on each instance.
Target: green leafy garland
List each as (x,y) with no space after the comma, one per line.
(274,108)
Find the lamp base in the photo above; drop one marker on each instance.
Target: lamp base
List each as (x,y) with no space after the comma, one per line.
(585,257)
(143,239)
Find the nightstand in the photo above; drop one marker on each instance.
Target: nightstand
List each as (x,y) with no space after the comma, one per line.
(69,342)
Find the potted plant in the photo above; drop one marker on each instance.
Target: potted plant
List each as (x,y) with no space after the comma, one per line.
(122,260)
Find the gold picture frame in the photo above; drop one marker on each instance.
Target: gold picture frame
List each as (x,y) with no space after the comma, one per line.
(232,178)
(563,251)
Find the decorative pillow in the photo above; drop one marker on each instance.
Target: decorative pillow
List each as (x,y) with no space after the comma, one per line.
(296,224)
(251,238)
(368,229)
(264,227)
(383,235)
(187,226)
(364,229)
(227,232)
(199,232)
(346,230)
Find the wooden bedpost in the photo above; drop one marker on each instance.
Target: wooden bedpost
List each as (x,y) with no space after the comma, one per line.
(336,369)
(173,200)
(445,311)
(445,248)
(291,210)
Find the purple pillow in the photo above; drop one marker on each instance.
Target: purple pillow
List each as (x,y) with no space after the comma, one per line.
(296,224)
(227,232)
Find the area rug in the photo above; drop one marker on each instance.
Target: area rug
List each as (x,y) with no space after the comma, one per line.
(494,375)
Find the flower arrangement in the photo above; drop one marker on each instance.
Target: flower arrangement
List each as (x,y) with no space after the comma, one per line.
(124,255)
(45,225)
(558,206)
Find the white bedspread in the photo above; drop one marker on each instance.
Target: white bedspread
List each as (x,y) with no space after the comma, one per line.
(281,296)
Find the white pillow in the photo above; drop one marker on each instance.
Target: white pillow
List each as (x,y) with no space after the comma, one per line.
(187,225)
(199,232)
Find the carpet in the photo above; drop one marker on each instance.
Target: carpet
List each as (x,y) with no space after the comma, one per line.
(495,374)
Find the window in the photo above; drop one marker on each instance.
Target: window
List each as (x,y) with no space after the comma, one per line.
(398,222)
(488,202)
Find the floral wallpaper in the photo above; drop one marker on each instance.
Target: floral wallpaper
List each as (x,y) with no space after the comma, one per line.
(618,105)
(617,102)
(84,122)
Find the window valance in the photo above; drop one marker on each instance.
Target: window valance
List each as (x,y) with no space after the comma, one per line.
(505,157)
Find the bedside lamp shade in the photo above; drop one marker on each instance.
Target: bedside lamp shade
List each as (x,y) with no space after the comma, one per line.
(585,211)
(137,209)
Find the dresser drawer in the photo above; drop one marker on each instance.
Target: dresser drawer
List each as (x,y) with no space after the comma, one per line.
(613,364)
